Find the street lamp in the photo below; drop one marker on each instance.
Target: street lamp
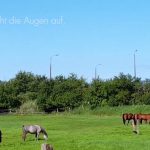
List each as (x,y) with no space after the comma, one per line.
(50,69)
(135,64)
(96,70)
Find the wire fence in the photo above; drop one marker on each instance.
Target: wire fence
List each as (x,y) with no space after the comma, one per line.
(10,111)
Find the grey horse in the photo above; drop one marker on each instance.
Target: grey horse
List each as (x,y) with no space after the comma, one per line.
(34,129)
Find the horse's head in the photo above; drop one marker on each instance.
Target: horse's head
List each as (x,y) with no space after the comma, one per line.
(124,117)
(45,137)
(45,133)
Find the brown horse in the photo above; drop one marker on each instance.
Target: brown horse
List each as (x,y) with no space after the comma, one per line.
(127,116)
(134,122)
(141,117)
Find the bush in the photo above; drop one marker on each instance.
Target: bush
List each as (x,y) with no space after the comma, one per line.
(28,107)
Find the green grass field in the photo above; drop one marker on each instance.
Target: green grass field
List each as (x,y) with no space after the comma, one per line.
(74,132)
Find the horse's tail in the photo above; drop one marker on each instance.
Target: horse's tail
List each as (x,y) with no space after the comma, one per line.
(123,118)
(44,132)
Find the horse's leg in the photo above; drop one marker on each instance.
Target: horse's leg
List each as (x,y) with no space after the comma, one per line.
(133,126)
(37,136)
(137,127)
(128,122)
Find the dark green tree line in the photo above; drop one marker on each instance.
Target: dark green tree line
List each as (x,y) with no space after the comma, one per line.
(63,93)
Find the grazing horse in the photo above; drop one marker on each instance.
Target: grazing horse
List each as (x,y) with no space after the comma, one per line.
(34,129)
(135,124)
(127,116)
(141,117)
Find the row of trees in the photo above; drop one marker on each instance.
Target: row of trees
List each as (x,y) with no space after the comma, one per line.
(71,92)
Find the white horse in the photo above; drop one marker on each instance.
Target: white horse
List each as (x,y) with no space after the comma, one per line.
(34,129)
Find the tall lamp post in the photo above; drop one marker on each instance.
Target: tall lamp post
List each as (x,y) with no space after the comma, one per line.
(135,64)
(50,69)
(96,70)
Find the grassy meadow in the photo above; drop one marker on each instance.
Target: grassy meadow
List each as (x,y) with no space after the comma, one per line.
(74,132)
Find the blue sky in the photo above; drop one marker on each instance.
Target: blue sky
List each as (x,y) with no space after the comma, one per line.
(83,32)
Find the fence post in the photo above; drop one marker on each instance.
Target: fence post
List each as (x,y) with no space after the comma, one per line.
(46,147)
